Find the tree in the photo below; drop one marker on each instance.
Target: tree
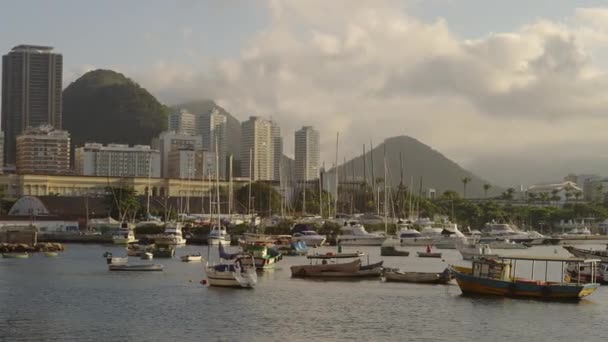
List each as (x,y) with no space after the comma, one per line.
(486,187)
(532,196)
(554,195)
(465,181)
(122,201)
(263,196)
(577,195)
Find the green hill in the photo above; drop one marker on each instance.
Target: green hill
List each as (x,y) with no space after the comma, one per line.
(106,107)
(419,161)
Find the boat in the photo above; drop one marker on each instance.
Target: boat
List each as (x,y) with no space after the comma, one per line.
(496,277)
(136,250)
(163,251)
(112,260)
(471,251)
(588,253)
(231,272)
(263,257)
(501,243)
(576,233)
(24,255)
(329,268)
(218,235)
(428,253)
(136,268)
(392,251)
(191,257)
(306,233)
(354,234)
(146,256)
(505,231)
(124,235)
(51,254)
(293,248)
(172,235)
(418,277)
(585,273)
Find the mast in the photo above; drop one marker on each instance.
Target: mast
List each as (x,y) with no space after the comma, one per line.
(371,154)
(385,195)
(364,168)
(337,179)
(418,202)
(230,190)
(304,197)
(203,184)
(352,186)
(320,194)
(217,183)
(149,190)
(250,177)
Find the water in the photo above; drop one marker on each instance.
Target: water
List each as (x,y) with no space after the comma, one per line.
(75,298)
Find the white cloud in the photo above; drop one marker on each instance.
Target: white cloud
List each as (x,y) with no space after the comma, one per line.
(373,71)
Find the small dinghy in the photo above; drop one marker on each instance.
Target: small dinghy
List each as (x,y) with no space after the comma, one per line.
(111,260)
(428,253)
(51,254)
(15,255)
(192,257)
(135,268)
(418,277)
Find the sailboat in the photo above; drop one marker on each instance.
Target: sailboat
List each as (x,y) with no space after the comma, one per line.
(232,274)
(218,233)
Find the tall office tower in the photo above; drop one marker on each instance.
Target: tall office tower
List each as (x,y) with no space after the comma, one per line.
(182,121)
(31,92)
(43,150)
(257,153)
(277,151)
(306,154)
(217,127)
(172,141)
(117,160)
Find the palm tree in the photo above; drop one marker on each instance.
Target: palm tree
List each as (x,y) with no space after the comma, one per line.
(577,195)
(486,187)
(555,197)
(544,197)
(465,181)
(532,196)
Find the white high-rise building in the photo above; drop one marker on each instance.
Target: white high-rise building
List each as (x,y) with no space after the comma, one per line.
(213,128)
(172,141)
(307,154)
(117,160)
(257,144)
(277,150)
(182,121)
(190,164)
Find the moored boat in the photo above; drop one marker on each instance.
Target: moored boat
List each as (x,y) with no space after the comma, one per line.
(24,255)
(354,234)
(136,268)
(497,277)
(112,260)
(335,270)
(418,277)
(231,272)
(51,254)
(470,251)
(587,253)
(163,251)
(146,256)
(217,235)
(262,256)
(191,257)
(392,251)
(124,235)
(172,235)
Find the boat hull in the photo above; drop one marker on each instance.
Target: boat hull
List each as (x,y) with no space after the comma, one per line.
(416,277)
(136,268)
(586,253)
(351,270)
(189,258)
(15,255)
(428,255)
(360,241)
(230,279)
(470,285)
(214,241)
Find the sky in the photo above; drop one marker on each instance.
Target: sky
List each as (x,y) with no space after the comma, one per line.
(513,90)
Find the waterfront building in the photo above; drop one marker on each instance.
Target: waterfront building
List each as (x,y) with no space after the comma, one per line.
(117,160)
(595,188)
(217,127)
(172,141)
(182,121)
(257,150)
(187,163)
(556,193)
(43,150)
(31,92)
(306,154)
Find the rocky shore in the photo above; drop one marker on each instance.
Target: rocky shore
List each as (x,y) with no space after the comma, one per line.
(39,247)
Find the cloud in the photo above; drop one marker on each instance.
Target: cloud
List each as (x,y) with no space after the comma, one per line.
(374,71)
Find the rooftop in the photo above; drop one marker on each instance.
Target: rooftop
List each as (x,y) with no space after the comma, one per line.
(36,48)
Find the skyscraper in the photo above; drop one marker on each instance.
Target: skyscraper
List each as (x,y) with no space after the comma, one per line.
(218,127)
(31,92)
(257,145)
(306,154)
(172,141)
(43,150)
(277,150)
(182,121)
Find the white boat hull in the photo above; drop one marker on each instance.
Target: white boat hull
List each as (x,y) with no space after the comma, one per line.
(311,242)
(231,279)
(361,241)
(214,241)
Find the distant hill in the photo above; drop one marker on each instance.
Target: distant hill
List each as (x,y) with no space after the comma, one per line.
(106,107)
(419,160)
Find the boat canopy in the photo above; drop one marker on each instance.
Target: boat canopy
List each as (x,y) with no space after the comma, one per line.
(227,256)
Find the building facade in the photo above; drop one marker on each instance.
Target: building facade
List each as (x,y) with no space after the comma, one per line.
(277,151)
(191,164)
(182,121)
(117,160)
(172,141)
(43,150)
(221,128)
(257,152)
(31,92)
(306,154)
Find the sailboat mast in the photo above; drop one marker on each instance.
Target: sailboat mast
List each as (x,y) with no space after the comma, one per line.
(337,177)
(385,195)
(149,190)
(320,194)
(371,155)
(250,178)
(230,190)
(217,183)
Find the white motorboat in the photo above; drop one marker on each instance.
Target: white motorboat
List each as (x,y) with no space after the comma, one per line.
(310,237)
(124,235)
(111,260)
(443,238)
(146,256)
(576,233)
(509,232)
(218,235)
(470,251)
(354,234)
(172,235)
(231,272)
(501,243)
(191,257)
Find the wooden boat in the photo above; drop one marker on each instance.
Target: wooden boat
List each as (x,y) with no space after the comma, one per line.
(146,256)
(191,257)
(329,268)
(24,255)
(418,277)
(497,277)
(392,251)
(136,268)
(263,257)
(51,254)
(587,253)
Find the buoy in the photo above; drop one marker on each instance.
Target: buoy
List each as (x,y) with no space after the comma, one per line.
(204,281)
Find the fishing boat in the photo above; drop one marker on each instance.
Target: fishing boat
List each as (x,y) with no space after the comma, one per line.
(418,277)
(585,272)
(146,256)
(136,268)
(112,260)
(497,277)
(263,257)
(470,251)
(218,235)
(163,251)
(392,251)
(231,272)
(51,254)
(354,234)
(428,253)
(588,253)
(329,268)
(306,233)
(24,255)
(191,257)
